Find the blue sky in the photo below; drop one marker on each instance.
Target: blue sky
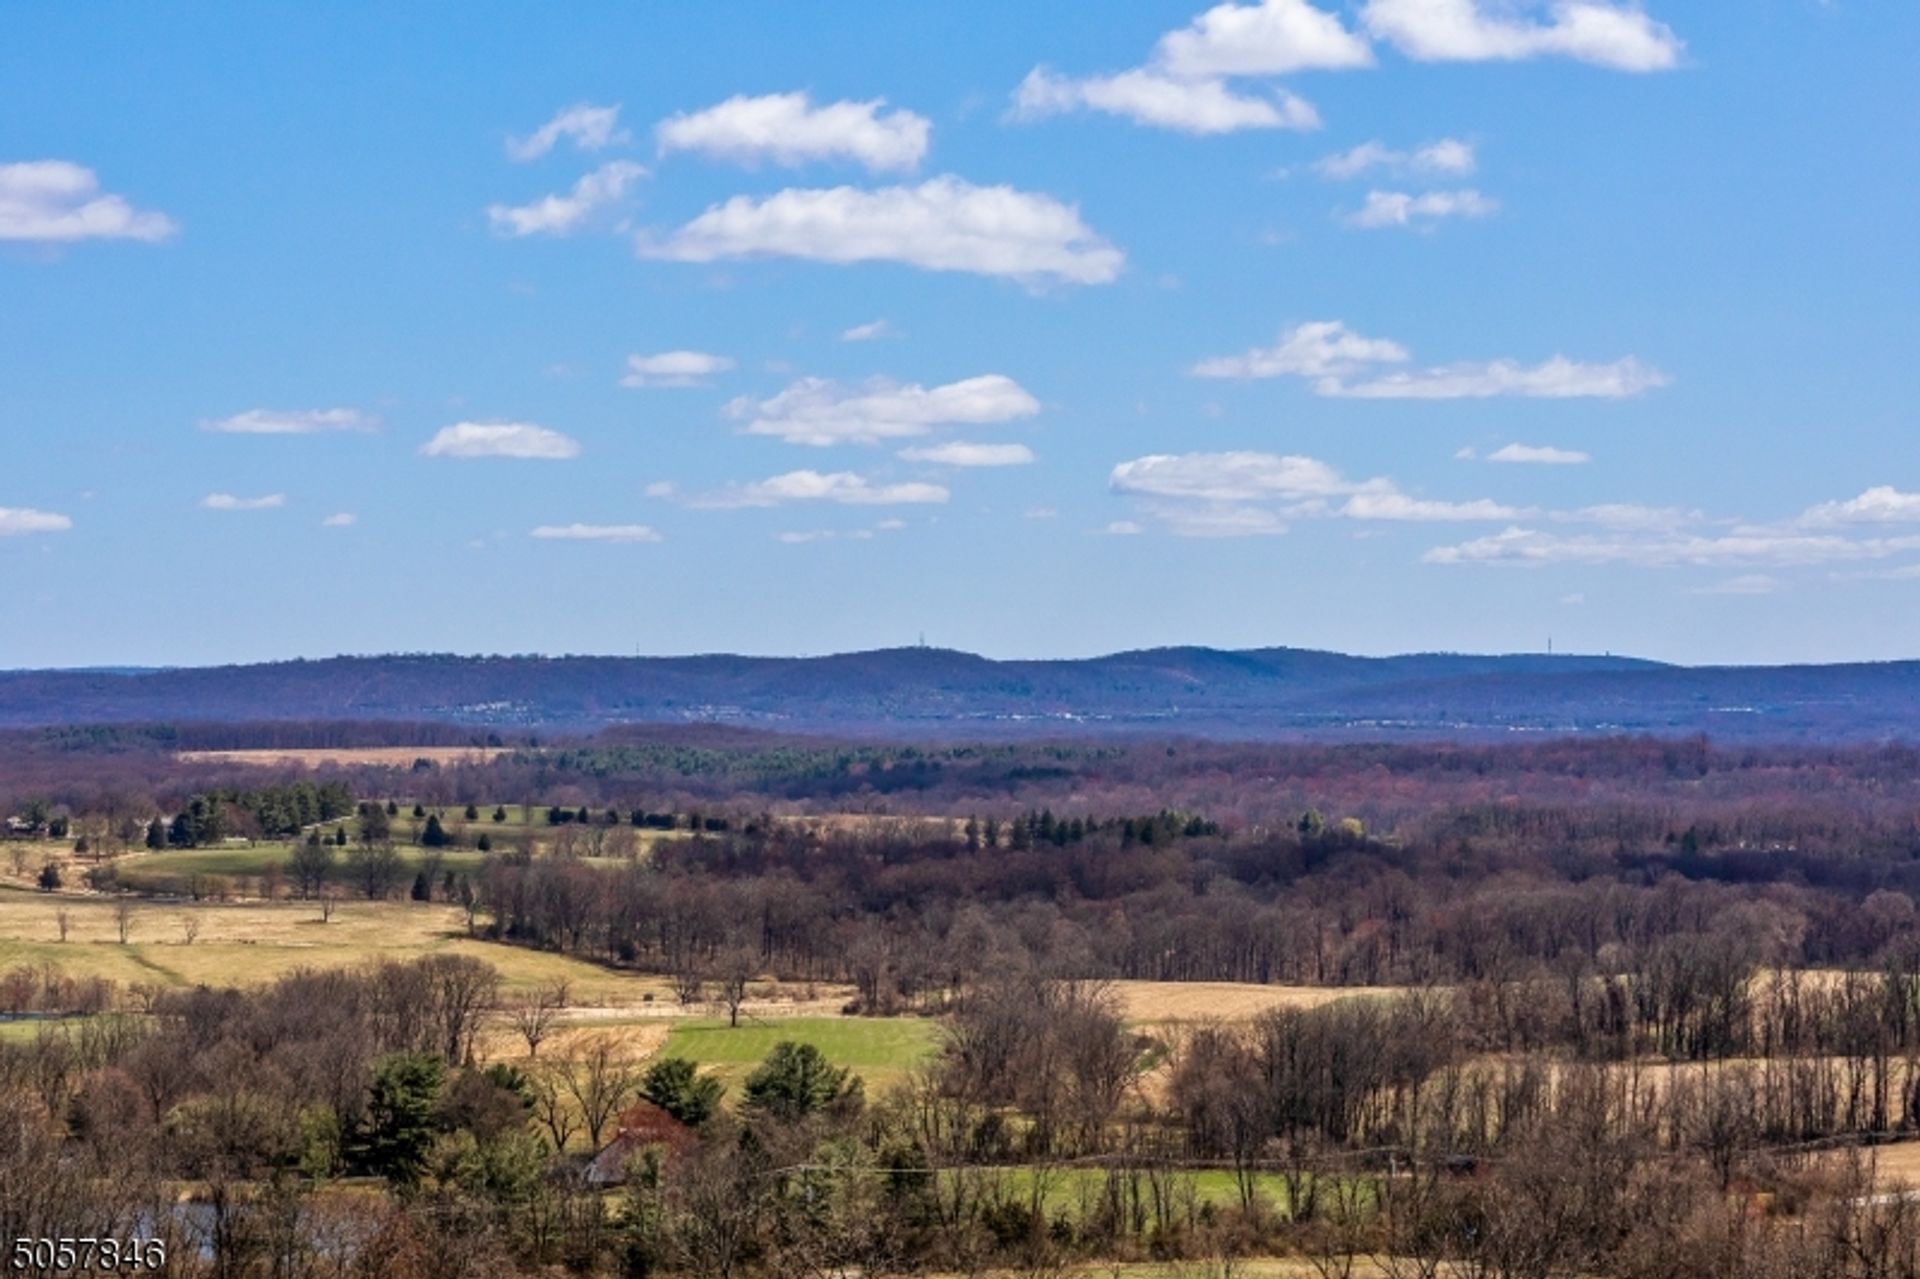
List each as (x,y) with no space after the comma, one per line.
(1380,326)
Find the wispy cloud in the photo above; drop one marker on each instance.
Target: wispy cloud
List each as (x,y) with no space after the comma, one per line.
(1163,101)
(595,533)
(340,519)
(228,502)
(17,521)
(960,453)
(1538,455)
(870,332)
(520,440)
(820,412)
(564,214)
(1343,364)
(292,422)
(788,129)
(1419,211)
(588,127)
(843,488)
(1447,157)
(674,368)
(59,202)
(944,224)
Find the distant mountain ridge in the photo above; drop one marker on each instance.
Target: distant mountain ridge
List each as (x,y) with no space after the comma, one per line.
(1277,692)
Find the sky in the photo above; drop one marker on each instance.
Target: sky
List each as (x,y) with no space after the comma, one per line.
(1044,331)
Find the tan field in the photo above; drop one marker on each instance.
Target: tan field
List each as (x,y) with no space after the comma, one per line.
(382,756)
(252,943)
(1159,1002)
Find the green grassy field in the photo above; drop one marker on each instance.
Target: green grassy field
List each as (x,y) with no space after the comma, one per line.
(881,1051)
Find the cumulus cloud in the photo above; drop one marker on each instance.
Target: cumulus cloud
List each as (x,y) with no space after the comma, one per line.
(1163,101)
(1538,455)
(821,412)
(58,202)
(1621,36)
(17,521)
(1881,504)
(292,422)
(944,224)
(1343,364)
(959,453)
(842,487)
(1448,157)
(1233,477)
(871,332)
(674,368)
(588,127)
(1421,211)
(341,519)
(595,533)
(522,440)
(228,502)
(1274,37)
(789,130)
(1319,349)
(564,214)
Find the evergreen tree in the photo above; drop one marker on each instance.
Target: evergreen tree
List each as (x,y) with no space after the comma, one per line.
(796,1080)
(473,812)
(156,834)
(435,835)
(676,1086)
(422,888)
(393,1137)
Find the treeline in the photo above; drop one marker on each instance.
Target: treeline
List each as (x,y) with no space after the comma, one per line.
(255,812)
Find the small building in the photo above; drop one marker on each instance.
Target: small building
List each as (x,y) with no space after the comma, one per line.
(641,1125)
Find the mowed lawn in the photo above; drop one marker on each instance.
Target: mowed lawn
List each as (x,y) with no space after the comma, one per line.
(251,943)
(881,1050)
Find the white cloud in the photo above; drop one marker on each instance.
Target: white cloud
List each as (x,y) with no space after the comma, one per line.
(1881,504)
(1246,493)
(789,130)
(1539,454)
(842,487)
(1448,157)
(228,502)
(17,521)
(959,453)
(1398,506)
(1344,364)
(1323,348)
(1233,477)
(56,201)
(501,439)
(1617,35)
(564,214)
(1273,37)
(820,412)
(588,127)
(1167,102)
(803,536)
(944,224)
(674,368)
(1557,378)
(869,332)
(1123,528)
(292,422)
(342,519)
(1745,547)
(1631,515)
(1744,584)
(1404,209)
(595,533)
